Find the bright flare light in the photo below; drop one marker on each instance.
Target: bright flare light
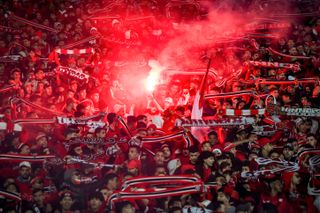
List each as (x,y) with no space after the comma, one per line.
(154,75)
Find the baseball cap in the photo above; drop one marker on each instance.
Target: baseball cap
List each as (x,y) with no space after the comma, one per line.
(169,100)
(40,135)
(25,164)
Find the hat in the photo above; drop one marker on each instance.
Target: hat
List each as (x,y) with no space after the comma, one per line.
(228,147)
(169,100)
(152,126)
(217,152)
(187,167)
(40,135)
(173,165)
(35,179)
(115,21)
(25,164)
(21,145)
(93,29)
(164,145)
(66,193)
(133,164)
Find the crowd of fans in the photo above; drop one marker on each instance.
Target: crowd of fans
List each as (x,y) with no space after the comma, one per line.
(61,167)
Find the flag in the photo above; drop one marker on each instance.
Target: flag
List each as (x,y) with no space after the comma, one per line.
(197,107)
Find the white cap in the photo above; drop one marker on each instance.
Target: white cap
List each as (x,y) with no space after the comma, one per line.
(217,152)
(169,100)
(25,163)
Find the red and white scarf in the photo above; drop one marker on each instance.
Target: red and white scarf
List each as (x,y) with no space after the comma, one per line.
(290,111)
(276,166)
(82,41)
(242,112)
(294,67)
(288,56)
(31,23)
(29,158)
(31,104)
(157,187)
(75,121)
(210,121)
(279,82)
(7,88)
(9,29)
(73,73)
(231,94)
(74,51)
(10,58)
(267,26)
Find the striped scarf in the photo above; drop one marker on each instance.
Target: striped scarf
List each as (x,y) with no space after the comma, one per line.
(181,134)
(279,82)
(73,73)
(307,152)
(122,42)
(291,15)
(10,58)
(8,88)
(36,106)
(267,26)
(82,41)
(63,120)
(265,130)
(271,167)
(96,165)
(9,29)
(262,35)
(29,158)
(104,17)
(208,122)
(157,187)
(314,165)
(288,56)
(242,112)
(170,72)
(125,126)
(73,121)
(294,67)
(10,195)
(231,94)
(289,111)
(74,51)
(31,23)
